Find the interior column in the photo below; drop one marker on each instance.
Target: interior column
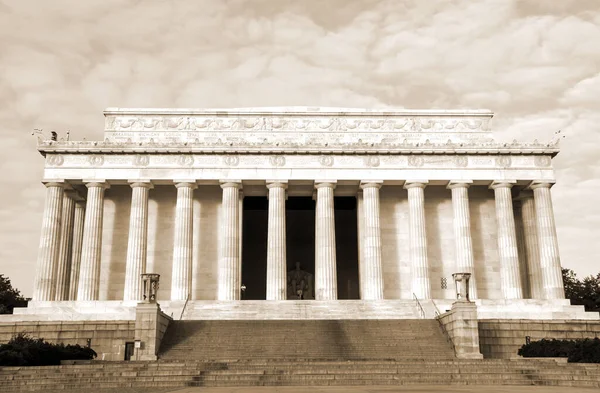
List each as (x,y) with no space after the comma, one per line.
(510,275)
(78,223)
(325,252)
(276,242)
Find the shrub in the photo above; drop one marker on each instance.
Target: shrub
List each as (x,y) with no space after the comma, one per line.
(23,350)
(577,351)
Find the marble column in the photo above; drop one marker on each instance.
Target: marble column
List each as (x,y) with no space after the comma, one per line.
(91,248)
(510,275)
(230,267)
(276,247)
(49,249)
(63,268)
(548,241)
(137,244)
(421,286)
(371,281)
(181,279)
(532,251)
(360,223)
(325,251)
(465,261)
(78,223)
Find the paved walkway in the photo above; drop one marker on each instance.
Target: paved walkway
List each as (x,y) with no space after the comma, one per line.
(388,389)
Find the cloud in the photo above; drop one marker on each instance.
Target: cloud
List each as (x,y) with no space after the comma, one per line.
(534,63)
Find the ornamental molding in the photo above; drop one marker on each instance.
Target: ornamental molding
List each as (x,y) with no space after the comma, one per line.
(55,159)
(326,160)
(141,160)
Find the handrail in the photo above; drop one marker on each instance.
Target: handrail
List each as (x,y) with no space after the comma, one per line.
(421,311)
(437,317)
(184,306)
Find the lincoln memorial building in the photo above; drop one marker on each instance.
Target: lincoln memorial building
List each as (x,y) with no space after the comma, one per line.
(298,213)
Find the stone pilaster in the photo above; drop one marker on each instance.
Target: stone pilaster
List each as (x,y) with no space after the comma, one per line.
(510,275)
(465,261)
(89,276)
(360,224)
(229,260)
(421,287)
(137,245)
(276,246)
(78,223)
(181,279)
(371,280)
(63,268)
(325,251)
(49,249)
(548,241)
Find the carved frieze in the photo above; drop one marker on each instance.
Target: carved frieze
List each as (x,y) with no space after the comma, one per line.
(96,160)
(326,161)
(503,161)
(372,161)
(416,161)
(277,160)
(231,160)
(185,160)
(461,161)
(141,160)
(542,161)
(55,159)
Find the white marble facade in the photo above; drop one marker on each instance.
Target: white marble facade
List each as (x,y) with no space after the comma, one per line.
(162,193)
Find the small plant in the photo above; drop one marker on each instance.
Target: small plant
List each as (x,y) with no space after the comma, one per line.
(577,351)
(23,350)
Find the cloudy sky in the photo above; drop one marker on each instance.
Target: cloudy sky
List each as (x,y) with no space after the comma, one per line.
(536,64)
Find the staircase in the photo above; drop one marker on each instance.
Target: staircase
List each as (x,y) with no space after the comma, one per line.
(149,376)
(305,339)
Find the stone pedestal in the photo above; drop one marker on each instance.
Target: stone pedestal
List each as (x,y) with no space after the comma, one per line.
(150,326)
(461,326)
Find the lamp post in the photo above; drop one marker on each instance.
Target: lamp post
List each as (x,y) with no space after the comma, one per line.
(461,281)
(150,281)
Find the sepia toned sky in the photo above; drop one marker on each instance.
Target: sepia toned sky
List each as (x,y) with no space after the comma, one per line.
(536,64)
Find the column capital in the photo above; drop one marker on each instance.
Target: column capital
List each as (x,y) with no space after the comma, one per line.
(325,183)
(185,183)
(459,184)
(415,184)
(231,183)
(277,184)
(97,183)
(370,184)
(141,183)
(502,184)
(74,194)
(540,184)
(56,183)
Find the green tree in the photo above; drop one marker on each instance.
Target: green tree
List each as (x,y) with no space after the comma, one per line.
(584,292)
(9,296)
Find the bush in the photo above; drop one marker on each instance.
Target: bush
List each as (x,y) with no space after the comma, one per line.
(577,351)
(23,350)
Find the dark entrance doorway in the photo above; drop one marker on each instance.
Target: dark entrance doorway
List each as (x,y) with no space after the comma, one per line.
(300,243)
